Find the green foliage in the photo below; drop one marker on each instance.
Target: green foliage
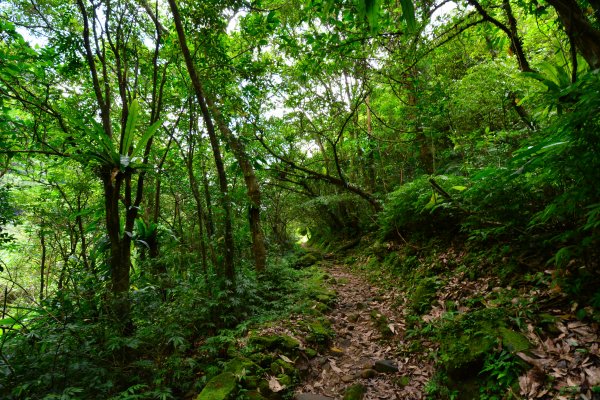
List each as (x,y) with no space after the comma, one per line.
(504,368)
(69,347)
(567,160)
(103,150)
(347,97)
(423,295)
(7,215)
(547,189)
(417,207)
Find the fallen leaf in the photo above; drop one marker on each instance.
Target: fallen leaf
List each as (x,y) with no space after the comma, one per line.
(593,376)
(530,383)
(392,328)
(334,367)
(286,359)
(274,385)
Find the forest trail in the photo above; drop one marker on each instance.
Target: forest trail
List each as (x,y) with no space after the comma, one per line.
(365,356)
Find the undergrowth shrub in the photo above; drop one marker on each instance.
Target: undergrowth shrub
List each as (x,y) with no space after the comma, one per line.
(417,207)
(548,191)
(69,348)
(501,204)
(335,215)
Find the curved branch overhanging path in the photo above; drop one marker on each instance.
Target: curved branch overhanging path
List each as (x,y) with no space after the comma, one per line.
(359,344)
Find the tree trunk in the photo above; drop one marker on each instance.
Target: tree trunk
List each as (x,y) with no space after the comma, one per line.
(200,216)
(43,261)
(425,153)
(515,39)
(585,36)
(369,158)
(120,251)
(229,268)
(511,31)
(252,187)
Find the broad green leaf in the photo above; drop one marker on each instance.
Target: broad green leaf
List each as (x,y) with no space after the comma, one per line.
(8,321)
(139,148)
(372,10)
(433,201)
(132,117)
(408,13)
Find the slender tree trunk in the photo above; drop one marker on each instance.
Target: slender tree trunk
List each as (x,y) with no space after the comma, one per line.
(229,268)
(43,262)
(189,163)
(84,250)
(425,153)
(210,221)
(369,158)
(515,39)
(252,187)
(200,215)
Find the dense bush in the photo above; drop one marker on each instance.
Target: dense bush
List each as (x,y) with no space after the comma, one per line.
(6,213)
(418,207)
(68,348)
(548,190)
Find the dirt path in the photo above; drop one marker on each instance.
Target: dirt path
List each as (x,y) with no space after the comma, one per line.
(369,330)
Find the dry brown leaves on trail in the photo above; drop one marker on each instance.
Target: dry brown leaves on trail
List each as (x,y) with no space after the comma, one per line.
(359,343)
(571,360)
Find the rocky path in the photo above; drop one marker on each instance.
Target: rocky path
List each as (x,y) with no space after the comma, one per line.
(366,359)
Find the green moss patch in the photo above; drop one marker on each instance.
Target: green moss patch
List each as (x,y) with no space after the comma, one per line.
(423,295)
(355,392)
(241,366)
(307,260)
(382,323)
(320,332)
(221,387)
(512,341)
(284,343)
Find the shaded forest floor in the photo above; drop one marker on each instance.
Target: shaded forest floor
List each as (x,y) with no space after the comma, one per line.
(364,358)
(451,332)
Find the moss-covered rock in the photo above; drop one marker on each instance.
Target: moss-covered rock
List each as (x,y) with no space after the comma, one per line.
(548,323)
(221,387)
(382,324)
(320,332)
(250,382)
(310,353)
(467,341)
(327,298)
(284,343)
(379,250)
(253,395)
(241,366)
(281,367)
(320,308)
(402,381)
(355,392)
(263,359)
(466,355)
(265,390)
(285,380)
(423,295)
(288,343)
(513,341)
(307,260)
